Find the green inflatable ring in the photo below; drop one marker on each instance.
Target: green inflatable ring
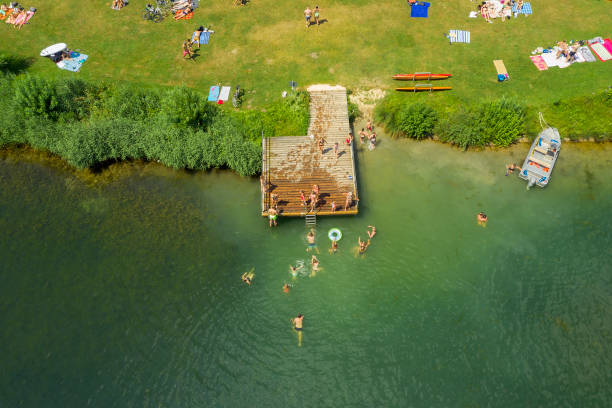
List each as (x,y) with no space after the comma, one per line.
(334,234)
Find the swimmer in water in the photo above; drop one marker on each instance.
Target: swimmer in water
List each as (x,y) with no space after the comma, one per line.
(511,167)
(315,265)
(293,270)
(371,232)
(247,277)
(363,245)
(482,219)
(334,247)
(286,288)
(297,326)
(310,237)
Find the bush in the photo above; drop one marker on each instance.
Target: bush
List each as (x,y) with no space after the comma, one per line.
(36,96)
(417,121)
(501,122)
(131,103)
(185,107)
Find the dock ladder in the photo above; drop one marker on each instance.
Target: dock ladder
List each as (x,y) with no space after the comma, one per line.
(311,220)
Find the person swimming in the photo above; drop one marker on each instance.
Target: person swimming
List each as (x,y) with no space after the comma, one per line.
(286,287)
(363,245)
(293,270)
(371,232)
(247,277)
(511,167)
(482,219)
(334,247)
(310,237)
(297,323)
(315,265)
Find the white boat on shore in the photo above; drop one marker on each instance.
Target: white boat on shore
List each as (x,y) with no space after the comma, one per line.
(541,158)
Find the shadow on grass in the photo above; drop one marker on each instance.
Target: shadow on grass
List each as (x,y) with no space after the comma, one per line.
(13,64)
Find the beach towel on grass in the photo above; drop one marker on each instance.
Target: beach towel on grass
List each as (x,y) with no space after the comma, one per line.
(526,10)
(213,95)
(608,45)
(601,52)
(459,36)
(587,54)
(73,64)
(500,67)
(224,95)
(538,61)
(550,58)
(180,16)
(419,10)
(204,37)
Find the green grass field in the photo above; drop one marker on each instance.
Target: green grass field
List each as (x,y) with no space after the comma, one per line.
(264,45)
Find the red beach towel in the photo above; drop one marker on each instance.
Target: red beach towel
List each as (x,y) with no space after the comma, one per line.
(539,62)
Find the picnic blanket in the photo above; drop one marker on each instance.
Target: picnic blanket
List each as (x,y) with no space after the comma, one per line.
(224,95)
(526,9)
(586,54)
(419,10)
(73,64)
(550,58)
(204,37)
(539,62)
(213,95)
(180,16)
(458,36)
(601,51)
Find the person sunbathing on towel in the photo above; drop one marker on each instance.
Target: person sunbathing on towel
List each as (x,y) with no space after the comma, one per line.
(183,13)
(3,10)
(20,18)
(12,17)
(572,52)
(20,22)
(562,49)
(484,11)
(118,4)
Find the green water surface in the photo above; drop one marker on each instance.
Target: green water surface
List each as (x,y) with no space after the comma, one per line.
(128,293)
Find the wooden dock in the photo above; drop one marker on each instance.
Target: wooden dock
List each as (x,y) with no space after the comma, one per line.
(294,163)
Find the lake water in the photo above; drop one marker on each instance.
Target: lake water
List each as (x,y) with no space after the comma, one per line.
(127,293)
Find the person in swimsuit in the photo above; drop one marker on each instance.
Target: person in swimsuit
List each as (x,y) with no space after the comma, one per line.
(196,36)
(349,139)
(297,326)
(315,189)
(333,205)
(371,232)
(334,247)
(511,167)
(316,14)
(293,270)
(349,200)
(363,246)
(310,237)
(369,125)
(307,14)
(315,266)
(336,150)
(303,199)
(247,277)
(272,216)
(186,50)
(313,201)
(372,138)
(274,201)
(362,135)
(321,144)
(286,288)
(482,218)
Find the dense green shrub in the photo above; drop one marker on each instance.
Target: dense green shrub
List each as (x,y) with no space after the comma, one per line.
(501,122)
(184,107)
(129,102)
(417,121)
(35,96)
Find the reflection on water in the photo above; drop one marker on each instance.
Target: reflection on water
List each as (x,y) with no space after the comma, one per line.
(128,291)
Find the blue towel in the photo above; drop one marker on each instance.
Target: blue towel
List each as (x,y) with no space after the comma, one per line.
(419,10)
(526,10)
(204,37)
(213,95)
(459,37)
(74,64)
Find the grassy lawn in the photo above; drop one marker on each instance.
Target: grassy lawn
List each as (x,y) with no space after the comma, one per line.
(265,44)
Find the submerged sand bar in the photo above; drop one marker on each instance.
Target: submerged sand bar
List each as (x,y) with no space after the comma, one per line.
(294,163)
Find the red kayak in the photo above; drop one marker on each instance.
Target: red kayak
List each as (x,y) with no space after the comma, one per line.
(424,88)
(420,76)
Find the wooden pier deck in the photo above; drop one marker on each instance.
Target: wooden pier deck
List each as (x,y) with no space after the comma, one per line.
(294,163)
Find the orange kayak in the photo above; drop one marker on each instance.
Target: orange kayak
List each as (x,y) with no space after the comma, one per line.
(423,88)
(420,77)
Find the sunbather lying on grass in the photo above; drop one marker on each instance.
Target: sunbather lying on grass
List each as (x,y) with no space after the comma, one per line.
(118,4)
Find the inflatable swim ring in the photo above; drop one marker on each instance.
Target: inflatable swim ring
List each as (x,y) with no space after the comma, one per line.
(334,234)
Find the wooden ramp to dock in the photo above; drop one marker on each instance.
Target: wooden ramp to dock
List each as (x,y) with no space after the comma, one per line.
(294,163)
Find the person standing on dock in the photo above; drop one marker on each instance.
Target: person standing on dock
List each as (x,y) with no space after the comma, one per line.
(321,144)
(303,199)
(272,216)
(275,201)
(336,150)
(313,201)
(333,205)
(349,200)
(349,139)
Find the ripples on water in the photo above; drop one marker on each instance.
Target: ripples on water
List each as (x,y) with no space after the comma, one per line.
(129,293)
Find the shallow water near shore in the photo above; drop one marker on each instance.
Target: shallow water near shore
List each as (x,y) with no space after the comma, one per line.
(128,293)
